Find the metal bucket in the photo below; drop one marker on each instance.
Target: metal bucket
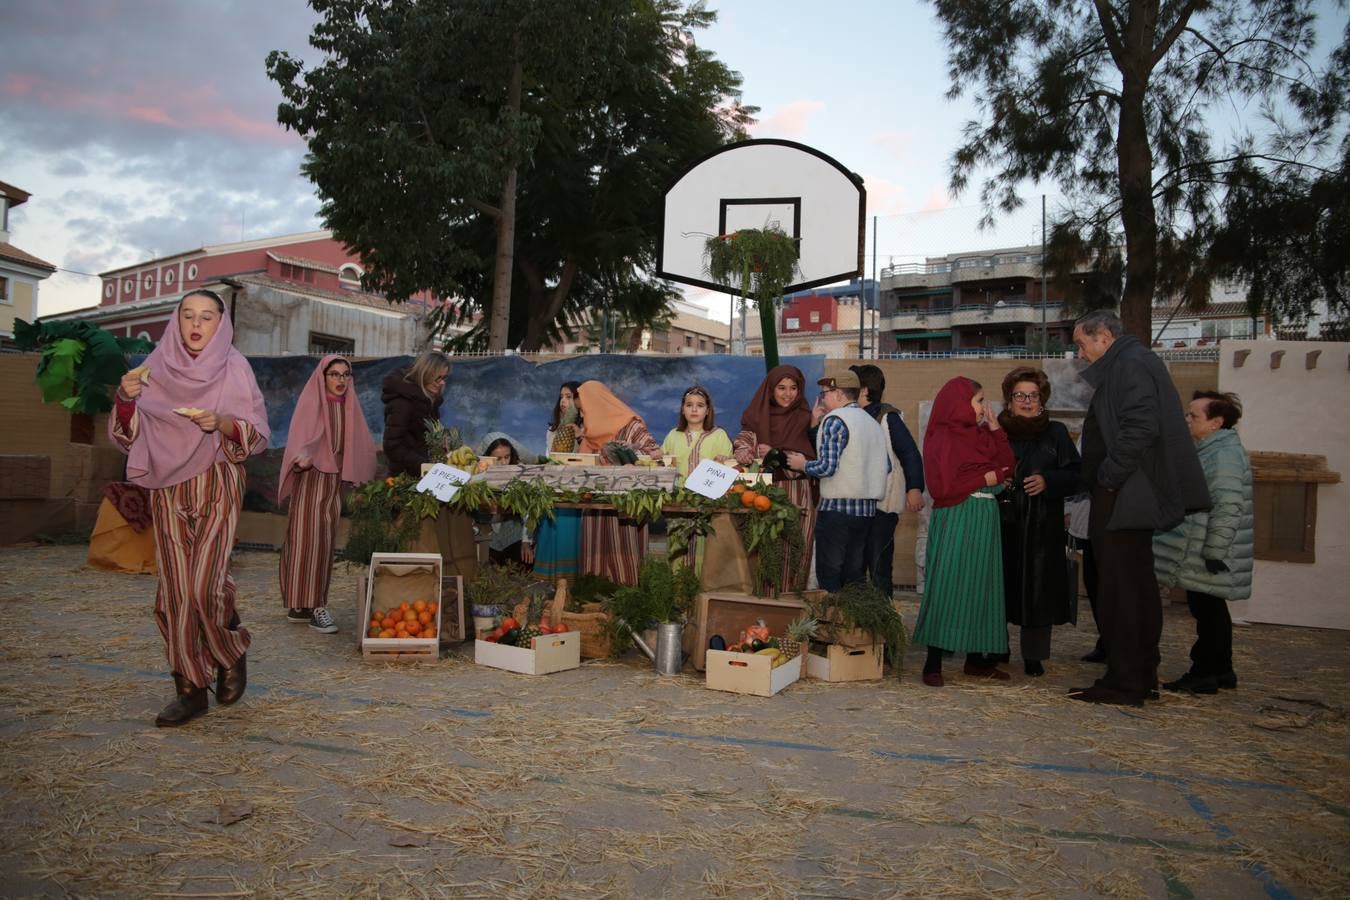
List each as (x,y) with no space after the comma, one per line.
(669,648)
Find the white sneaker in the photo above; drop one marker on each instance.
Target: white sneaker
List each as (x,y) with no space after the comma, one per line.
(323,621)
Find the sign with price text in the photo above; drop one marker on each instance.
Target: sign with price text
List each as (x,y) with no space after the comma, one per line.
(711,479)
(442,481)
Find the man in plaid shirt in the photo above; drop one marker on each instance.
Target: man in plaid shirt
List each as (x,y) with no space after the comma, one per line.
(851,463)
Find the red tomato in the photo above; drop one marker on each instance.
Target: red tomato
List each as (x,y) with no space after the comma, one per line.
(560,628)
(545,628)
(495,635)
(508,623)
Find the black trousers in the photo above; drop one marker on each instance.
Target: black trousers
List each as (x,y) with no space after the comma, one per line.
(1212,652)
(881,550)
(1129,609)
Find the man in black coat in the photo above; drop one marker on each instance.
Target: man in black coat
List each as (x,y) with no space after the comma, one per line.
(1139,463)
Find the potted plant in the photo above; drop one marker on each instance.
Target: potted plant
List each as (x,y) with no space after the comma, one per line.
(496,587)
(759,263)
(662,598)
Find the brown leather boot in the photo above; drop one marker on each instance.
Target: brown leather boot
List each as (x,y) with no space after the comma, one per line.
(230,682)
(190,703)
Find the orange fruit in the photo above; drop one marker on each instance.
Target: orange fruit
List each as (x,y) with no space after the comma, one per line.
(763,503)
(377,614)
(389,482)
(387,633)
(738,487)
(405,606)
(424,617)
(410,616)
(431,608)
(429,630)
(748,499)
(419,605)
(389,621)
(374,631)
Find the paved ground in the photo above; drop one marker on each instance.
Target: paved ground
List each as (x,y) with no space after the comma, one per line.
(354,779)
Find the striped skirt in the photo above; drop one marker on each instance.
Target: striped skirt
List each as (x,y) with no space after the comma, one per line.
(311,533)
(611,547)
(804,494)
(962,607)
(557,545)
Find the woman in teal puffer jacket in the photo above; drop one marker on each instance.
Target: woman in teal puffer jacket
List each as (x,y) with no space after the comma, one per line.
(1210,553)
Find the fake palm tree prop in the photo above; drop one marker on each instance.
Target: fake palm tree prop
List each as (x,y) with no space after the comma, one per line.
(80,361)
(759,263)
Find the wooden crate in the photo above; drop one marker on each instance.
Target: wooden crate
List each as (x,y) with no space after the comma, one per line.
(728,614)
(396,578)
(750,673)
(846,663)
(453,609)
(576,459)
(546,654)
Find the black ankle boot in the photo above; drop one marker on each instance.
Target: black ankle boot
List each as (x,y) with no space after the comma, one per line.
(190,703)
(1033,667)
(230,683)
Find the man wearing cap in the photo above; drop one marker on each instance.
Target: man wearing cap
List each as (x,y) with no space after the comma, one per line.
(851,463)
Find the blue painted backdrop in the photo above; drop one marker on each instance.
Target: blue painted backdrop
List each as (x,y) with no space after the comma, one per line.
(516,396)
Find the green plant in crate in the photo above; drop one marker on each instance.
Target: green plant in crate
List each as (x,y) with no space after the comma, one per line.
(498,584)
(861,605)
(663,593)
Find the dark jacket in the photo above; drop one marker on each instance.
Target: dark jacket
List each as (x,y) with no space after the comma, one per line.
(902,443)
(1036,588)
(1147,455)
(406,409)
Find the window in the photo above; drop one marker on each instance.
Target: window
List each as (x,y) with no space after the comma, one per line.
(349,276)
(815,316)
(321,344)
(827,328)
(1285,520)
(4,290)
(703,343)
(689,340)
(793,323)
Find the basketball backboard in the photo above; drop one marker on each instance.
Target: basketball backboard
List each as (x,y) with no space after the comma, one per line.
(751,184)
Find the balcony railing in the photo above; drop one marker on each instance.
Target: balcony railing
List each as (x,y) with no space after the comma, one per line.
(1025,313)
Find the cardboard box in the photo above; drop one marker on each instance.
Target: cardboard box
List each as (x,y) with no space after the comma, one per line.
(847,663)
(750,673)
(396,578)
(546,654)
(727,614)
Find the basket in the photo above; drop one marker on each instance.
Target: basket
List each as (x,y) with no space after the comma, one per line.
(593,626)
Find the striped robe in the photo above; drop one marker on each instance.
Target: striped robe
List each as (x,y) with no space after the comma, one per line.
(610,547)
(805,495)
(194,522)
(312,525)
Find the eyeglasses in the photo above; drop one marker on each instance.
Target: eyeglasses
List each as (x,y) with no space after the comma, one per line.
(1025,398)
(341,376)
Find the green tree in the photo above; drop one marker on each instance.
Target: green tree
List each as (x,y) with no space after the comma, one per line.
(528,204)
(1117,102)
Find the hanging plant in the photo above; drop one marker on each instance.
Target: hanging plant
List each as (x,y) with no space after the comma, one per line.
(760,263)
(80,361)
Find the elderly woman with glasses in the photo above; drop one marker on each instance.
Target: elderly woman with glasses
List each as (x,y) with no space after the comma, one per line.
(1036,591)
(412,394)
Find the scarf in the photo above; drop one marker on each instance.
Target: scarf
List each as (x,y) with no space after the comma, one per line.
(309,433)
(605,416)
(956,448)
(1024,428)
(169,449)
(783,428)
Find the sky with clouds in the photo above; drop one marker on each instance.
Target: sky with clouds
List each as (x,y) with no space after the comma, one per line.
(147,127)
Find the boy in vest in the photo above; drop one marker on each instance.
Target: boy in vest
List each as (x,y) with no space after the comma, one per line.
(904,484)
(852,464)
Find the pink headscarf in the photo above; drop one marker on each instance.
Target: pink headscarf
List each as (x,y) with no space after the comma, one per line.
(309,433)
(169,448)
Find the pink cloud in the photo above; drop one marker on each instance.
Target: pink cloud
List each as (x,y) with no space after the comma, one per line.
(896,143)
(937,200)
(163,104)
(789,121)
(884,198)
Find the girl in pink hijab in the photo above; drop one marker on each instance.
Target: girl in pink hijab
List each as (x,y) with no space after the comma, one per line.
(328,445)
(187,419)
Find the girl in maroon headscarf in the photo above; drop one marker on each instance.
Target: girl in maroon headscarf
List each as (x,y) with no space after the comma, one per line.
(328,445)
(966,457)
(187,426)
(778,418)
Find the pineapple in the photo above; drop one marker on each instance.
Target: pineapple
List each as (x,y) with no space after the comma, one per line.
(799,635)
